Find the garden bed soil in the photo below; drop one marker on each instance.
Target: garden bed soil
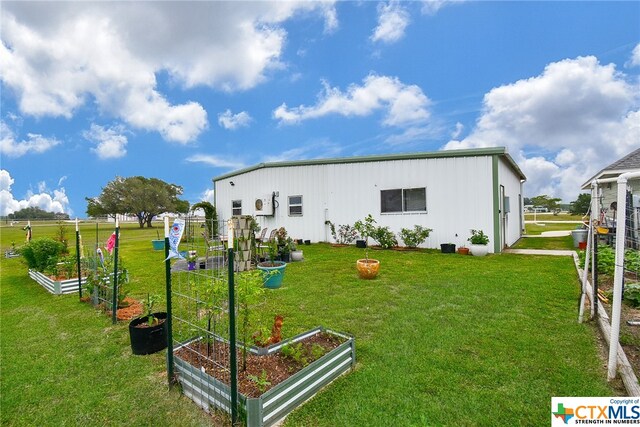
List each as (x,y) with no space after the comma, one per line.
(629,335)
(275,366)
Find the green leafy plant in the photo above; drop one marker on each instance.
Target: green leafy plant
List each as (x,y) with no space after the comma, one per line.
(632,260)
(478,237)
(61,236)
(261,382)
(366,228)
(249,288)
(42,253)
(68,266)
(632,294)
(417,236)
(344,235)
(295,352)
(281,236)
(606,259)
(385,237)
(148,305)
(317,351)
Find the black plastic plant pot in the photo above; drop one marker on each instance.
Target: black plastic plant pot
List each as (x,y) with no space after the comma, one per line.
(150,339)
(307,242)
(361,244)
(448,248)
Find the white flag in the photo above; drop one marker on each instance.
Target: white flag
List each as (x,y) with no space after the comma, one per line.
(175,235)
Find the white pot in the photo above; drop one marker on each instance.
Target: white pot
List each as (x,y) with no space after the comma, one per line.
(296,255)
(479,250)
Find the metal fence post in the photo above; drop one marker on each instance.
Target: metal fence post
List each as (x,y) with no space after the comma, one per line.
(78,260)
(167,270)
(232,342)
(114,298)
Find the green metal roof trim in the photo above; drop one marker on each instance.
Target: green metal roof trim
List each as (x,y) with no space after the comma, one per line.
(380,158)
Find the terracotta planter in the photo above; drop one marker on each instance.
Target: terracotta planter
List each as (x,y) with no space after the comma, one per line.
(368,268)
(463,251)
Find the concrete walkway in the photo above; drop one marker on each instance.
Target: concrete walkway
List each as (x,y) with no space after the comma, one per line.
(555,252)
(558,233)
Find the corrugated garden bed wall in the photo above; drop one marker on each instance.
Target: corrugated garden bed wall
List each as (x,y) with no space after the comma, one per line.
(276,403)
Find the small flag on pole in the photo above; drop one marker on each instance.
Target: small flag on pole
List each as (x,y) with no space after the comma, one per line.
(175,235)
(111,243)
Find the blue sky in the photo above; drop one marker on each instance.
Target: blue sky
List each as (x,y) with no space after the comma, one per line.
(188,91)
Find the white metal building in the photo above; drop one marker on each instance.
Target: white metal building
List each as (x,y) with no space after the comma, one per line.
(451,192)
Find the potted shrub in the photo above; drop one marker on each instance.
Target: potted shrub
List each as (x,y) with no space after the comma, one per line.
(273,271)
(296,254)
(148,332)
(367,268)
(416,237)
(479,242)
(192,258)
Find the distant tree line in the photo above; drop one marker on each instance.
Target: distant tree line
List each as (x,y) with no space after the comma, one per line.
(580,206)
(36,213)
(143,197)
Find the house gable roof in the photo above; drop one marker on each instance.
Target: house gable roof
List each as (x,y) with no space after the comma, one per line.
(501,151)
(628,163)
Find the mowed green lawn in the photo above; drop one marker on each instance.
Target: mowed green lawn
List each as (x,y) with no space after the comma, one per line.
(440,340)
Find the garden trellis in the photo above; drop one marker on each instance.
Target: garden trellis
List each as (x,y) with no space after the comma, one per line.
(201,324)
(627,246)
(105,276)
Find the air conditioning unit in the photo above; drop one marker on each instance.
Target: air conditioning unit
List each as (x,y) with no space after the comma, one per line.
(264,205)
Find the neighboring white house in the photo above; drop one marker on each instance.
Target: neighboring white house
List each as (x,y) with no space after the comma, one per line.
(450,191)
(608,191)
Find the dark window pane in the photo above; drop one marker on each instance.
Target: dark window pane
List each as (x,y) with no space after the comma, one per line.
(391,201)
(295,200)
(236,204)
(295,210)
(415,200)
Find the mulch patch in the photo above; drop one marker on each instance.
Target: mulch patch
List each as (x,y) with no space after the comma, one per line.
(131,308)
(276,367)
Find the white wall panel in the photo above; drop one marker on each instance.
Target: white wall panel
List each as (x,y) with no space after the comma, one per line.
(459,195)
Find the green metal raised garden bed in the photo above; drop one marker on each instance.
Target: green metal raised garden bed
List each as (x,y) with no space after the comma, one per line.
(276,403)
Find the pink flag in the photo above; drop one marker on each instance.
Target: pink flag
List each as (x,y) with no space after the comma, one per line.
(111,243)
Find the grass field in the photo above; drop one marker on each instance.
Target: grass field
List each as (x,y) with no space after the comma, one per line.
(541,217)
(441,339)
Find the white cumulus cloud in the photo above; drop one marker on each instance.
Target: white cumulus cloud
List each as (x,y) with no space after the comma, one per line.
(34,143)
(215,161)
(110,142)
(50,201)
(634,60)
(404,105)
(393,20)
(57,57)
(231,121)
(561,126)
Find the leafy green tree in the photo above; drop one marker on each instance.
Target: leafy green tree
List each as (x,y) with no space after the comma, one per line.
(580,206)
(210,215)
(547,202)
(143,197)
(31,213)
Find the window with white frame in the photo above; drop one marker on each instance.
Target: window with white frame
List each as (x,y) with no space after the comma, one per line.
(401,200)
(295,205)
(236,207)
